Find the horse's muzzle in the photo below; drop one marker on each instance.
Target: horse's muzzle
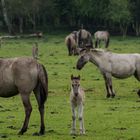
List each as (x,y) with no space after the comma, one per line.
(76,94)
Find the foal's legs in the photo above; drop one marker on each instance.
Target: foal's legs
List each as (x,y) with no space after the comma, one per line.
(73,130)
(28,109)
(80,116)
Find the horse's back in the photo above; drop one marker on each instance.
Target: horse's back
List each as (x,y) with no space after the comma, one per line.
(84,34)
(17,74)
(25,73)
(7,86)
(70,38)
(123,65)
(101,35)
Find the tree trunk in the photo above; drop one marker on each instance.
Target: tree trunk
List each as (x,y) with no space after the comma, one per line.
(6,17)
(21,25)
(123,29)
(136,27)
(32,20)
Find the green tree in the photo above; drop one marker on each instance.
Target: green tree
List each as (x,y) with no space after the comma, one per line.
(135,10)
(6,17)
(119,13)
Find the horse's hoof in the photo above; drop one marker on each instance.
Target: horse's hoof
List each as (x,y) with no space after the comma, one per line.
(20,133)
(82,132)
(108,95)
(138,93)
(73,132)
(38,134)
(113,95)
(41,133)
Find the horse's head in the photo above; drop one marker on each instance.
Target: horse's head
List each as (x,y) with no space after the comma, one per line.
(75,84)
(84,58)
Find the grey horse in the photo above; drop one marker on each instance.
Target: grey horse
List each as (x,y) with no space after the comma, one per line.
(111,64)
(22,76)
(71,43)
(83,38)
(101,36)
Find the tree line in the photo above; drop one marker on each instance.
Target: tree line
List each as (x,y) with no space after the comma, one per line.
(116,16)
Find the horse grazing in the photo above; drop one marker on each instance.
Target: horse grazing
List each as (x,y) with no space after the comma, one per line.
(83,38)
(22,76)
(35,51)
(101,36)
(77,100)
(112,64)
(71,43)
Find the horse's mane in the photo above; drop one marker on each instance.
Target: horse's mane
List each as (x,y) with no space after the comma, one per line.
(99,51)
(95,50)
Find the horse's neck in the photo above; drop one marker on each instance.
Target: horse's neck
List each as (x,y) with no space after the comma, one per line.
(98,59)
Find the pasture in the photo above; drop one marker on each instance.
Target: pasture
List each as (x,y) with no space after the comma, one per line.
(105,119)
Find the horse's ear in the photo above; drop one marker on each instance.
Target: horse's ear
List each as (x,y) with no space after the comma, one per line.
(71,76)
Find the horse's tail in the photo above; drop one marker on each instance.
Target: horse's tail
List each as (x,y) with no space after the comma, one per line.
(107,43)
(69,45)
(42,83)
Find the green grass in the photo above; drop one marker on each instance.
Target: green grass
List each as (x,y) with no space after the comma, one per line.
(105,119)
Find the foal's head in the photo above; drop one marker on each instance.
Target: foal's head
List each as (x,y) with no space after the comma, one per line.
(75,84)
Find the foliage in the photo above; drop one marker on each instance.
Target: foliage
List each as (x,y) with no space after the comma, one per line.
(134,8)
(119,13)
(111,15)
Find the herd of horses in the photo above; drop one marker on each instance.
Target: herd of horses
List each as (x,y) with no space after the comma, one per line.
(22,75)
(77,40)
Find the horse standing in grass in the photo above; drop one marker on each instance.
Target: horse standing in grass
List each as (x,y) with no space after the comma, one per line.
(77,96)
(111,64)
(22,76)
(71,43)
(35,51)
(101,36)
(83,38)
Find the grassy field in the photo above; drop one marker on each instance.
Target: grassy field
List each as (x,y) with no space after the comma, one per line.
(105,119)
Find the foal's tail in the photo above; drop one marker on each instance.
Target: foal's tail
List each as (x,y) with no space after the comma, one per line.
(42,83)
